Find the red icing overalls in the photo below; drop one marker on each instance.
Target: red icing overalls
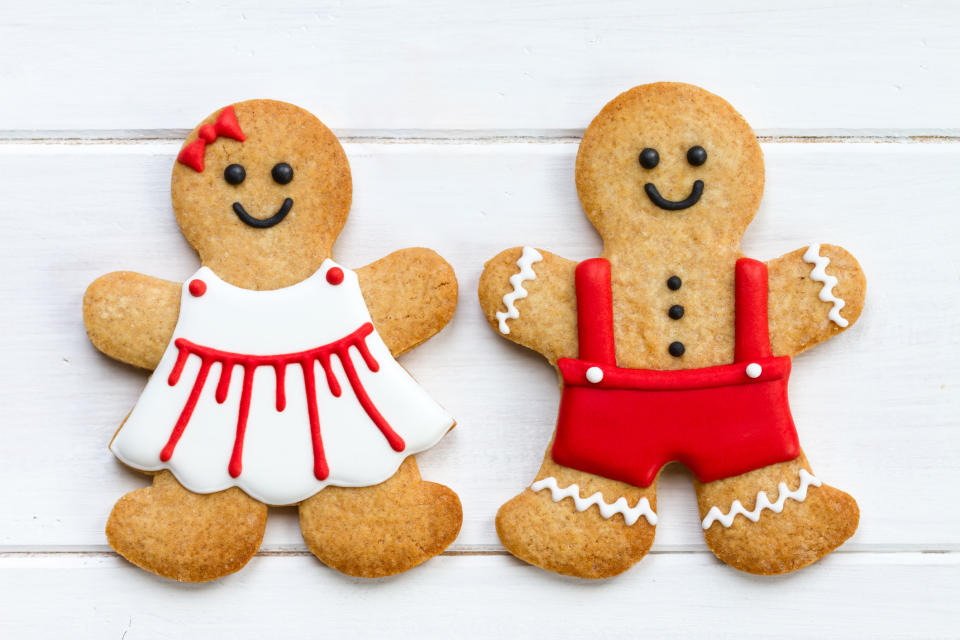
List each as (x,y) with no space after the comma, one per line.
(719,421)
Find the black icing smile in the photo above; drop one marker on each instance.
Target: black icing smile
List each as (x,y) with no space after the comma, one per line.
(674,205)
(264,223)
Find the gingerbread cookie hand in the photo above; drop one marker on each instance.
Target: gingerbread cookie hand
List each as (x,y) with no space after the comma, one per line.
(273,384)
(411,295)
(527,295)
(815,293)
(130,316)
(674,347)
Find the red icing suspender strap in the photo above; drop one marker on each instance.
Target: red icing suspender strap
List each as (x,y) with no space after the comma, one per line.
(595,311)
(753,331)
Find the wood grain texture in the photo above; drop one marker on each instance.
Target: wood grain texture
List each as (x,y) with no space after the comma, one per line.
(876,407)
(387,65)
(850,596)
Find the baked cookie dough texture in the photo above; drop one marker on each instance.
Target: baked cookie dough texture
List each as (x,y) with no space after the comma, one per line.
(673,346)
(275,380)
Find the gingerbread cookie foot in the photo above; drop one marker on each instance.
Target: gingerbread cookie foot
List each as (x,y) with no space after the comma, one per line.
(381,530)
(187,536)
(775,520)
(579,524)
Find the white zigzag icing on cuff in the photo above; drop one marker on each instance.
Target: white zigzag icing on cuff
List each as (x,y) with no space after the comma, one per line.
(819,274)
(529,256)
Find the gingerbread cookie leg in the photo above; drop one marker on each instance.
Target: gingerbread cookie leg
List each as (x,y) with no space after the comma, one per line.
(579,524)
(776,519)
(187,536)
(383,529)
(568,521)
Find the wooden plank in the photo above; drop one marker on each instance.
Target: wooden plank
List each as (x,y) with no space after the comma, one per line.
(386,65)
(853,595)
(876,408)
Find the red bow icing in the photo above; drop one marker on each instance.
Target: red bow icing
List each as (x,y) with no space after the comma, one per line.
(226,126)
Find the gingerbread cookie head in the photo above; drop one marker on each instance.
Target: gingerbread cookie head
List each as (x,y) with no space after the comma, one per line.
(261,189)
(669,158)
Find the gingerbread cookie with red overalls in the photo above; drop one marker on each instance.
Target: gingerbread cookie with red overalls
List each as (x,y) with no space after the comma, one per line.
(275,379)
(673,346)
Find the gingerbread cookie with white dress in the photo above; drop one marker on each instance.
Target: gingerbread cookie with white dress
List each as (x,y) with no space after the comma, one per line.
(673,346)
(275,379)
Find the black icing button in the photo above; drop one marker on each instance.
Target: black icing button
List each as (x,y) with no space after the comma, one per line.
(676,311)
(676,349)
(674,282)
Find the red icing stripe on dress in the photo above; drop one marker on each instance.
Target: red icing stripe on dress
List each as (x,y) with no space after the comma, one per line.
(320,468)
(306,360)
(191,400)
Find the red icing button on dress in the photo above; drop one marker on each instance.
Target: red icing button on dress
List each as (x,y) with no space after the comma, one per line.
(197,288)
(335,275)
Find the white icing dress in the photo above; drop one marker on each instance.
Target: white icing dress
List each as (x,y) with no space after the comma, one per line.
(280,393)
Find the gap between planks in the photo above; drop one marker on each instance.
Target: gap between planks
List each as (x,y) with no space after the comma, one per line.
(455,136)
(954,551)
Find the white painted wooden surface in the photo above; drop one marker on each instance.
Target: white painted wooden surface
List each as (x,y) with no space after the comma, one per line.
(489,597)
(501,64)
(430,99)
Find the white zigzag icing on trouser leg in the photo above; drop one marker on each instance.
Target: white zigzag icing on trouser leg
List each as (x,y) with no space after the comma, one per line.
(607,509)
(726,519)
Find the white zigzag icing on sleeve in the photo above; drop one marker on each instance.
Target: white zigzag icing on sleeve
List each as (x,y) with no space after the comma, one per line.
(529,256)
(819,274)
(607,509)
(806,480)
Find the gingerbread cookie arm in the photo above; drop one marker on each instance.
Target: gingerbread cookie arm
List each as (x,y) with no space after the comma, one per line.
(130,316)
(411,295)
(528,296)
(815,293)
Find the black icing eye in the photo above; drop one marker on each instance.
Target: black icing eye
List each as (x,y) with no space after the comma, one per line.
(649,158)
(234,174)
(282,173)
(696,155)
